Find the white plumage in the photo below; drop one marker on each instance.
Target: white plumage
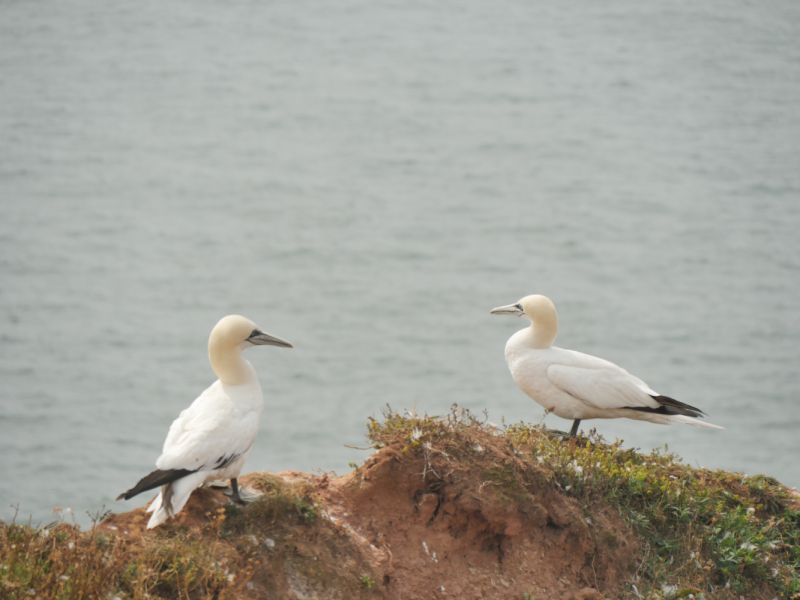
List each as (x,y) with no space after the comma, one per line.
(212,438)
(578,386)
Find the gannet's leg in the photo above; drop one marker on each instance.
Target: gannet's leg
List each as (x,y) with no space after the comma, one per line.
(235,492)
(574,431)
(239,497)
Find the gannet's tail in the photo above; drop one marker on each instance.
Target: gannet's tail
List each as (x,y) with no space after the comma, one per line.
(155,479)
(692,421)
(173,498)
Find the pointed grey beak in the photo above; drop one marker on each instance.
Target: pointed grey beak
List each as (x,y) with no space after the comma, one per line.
(259,338)
(515,310)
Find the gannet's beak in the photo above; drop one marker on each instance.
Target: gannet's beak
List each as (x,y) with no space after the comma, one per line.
(259,338)
(515,310)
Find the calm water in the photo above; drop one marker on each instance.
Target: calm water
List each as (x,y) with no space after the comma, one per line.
(368,180)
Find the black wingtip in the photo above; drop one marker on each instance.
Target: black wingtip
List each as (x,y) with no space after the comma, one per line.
(670,406)
(676,407)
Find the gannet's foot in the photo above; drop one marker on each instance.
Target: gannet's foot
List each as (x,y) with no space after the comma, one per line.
(557,433)
(242,498)
(239,497)
(233,493)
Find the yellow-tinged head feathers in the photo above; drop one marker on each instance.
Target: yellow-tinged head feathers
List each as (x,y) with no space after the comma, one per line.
(232,330)
(229,337)
(541,312)
(540,306)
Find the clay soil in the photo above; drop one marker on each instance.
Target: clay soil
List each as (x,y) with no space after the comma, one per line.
(464,518)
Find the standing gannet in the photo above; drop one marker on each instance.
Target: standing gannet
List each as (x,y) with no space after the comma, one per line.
(577,386)
(212,438)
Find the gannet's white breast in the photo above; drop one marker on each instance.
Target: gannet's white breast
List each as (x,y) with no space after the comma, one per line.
(576,385)
(215,434)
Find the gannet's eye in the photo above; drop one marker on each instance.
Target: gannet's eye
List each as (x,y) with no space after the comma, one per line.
(519,306)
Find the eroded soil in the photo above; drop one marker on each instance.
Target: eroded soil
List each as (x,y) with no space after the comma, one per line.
(460,520)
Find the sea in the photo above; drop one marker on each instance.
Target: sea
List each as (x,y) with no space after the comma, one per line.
(368,179)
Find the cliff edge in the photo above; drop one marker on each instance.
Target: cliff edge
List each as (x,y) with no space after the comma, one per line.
(447,507)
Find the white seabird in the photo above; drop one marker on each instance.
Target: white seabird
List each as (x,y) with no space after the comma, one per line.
(212,438)
(577,386)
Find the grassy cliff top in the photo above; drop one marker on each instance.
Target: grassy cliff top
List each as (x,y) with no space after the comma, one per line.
(447,506)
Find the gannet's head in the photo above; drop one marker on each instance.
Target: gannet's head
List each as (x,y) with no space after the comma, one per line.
(530,307)
(236,331)
(541,312)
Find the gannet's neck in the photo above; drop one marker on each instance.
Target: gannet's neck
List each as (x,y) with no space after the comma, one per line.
(542,336)
(228,364)
(544,322)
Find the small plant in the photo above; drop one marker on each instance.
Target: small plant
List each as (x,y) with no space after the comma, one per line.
(307,509)
(366,581)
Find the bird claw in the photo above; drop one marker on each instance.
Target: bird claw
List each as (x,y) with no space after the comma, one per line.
(241,498)
(556,433)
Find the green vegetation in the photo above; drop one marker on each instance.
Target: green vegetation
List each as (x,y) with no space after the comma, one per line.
(703,532)
(281,503)
(702,529)
(63,563)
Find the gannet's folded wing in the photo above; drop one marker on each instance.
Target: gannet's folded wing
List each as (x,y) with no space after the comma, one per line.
(602,388)
(208,435)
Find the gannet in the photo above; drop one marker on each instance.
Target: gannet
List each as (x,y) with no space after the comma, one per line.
(212,438)
(578,386)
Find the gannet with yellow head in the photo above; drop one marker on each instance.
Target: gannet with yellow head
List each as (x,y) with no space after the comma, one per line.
(212,438)
(578,386)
